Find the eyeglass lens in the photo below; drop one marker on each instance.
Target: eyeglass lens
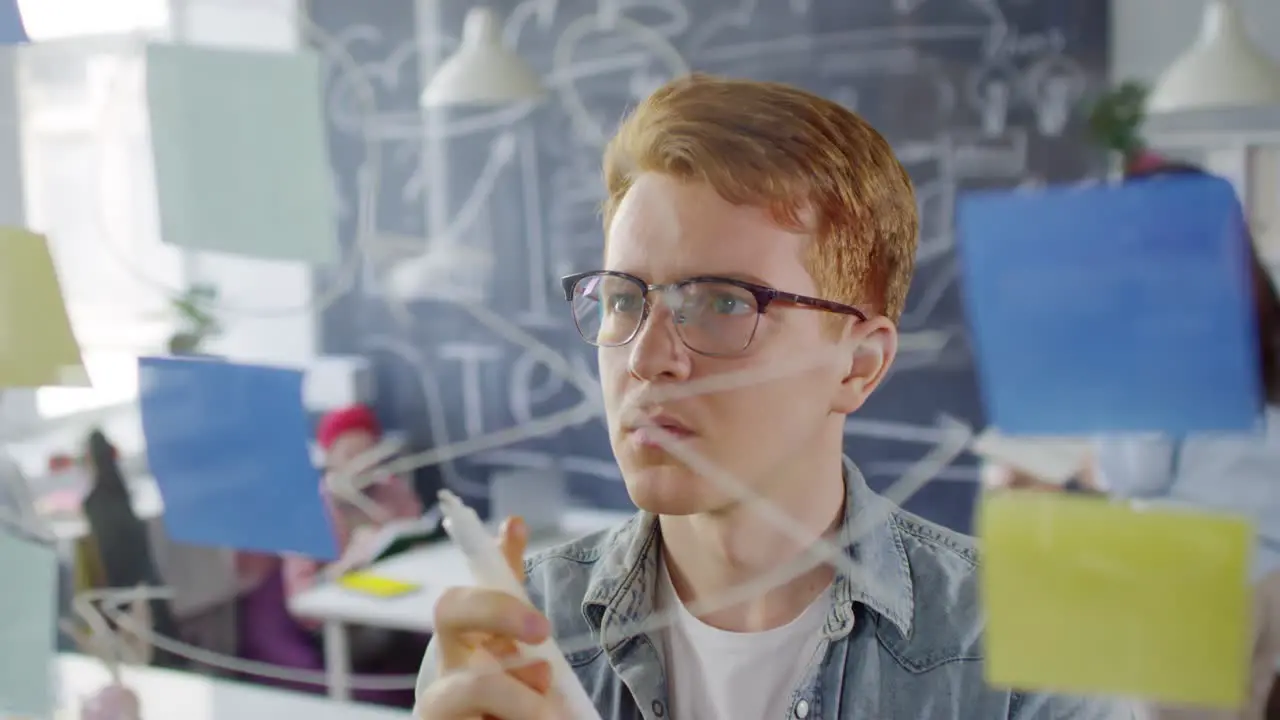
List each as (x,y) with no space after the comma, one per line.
(711,317)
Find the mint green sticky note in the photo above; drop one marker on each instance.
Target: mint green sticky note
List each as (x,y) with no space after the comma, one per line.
(240,155)
(28,608)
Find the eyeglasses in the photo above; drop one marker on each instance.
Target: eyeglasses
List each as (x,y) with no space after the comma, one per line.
(713,316)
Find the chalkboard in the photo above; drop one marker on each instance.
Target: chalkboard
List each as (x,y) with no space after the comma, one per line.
(972,93)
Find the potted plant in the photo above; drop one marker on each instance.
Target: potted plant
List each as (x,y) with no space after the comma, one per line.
(197,322)
(1115,123)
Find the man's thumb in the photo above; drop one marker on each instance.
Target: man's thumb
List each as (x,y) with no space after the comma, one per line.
(512,540)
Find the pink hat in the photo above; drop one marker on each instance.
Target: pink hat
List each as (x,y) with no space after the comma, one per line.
(340,422)
(1145,162)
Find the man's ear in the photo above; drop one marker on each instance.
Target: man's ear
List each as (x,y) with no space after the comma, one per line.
(871,347)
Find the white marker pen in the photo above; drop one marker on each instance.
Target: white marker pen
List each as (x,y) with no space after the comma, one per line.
(491,570)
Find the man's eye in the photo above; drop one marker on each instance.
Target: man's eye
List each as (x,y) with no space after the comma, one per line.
(728,305)
(623,302)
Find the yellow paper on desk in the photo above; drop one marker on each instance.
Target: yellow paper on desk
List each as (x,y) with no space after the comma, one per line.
(376,585)
(37,347)
(1089,596)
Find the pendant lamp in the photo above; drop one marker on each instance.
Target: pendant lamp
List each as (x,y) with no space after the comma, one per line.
(483,71)
(1222,69)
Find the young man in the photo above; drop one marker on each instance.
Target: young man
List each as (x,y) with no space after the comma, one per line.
(753,231)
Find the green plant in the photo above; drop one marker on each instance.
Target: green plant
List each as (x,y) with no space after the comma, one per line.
(1115,120)
(195,312)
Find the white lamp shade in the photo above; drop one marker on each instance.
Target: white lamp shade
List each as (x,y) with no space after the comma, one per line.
(483,71)
(1223,69)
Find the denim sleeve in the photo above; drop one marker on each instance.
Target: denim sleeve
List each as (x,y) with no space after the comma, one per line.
(1024,706)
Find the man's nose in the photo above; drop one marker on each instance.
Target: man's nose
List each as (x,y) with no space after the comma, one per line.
(657,353)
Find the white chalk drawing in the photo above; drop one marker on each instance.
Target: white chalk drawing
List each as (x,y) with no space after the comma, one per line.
(471,356)
(450,273)
(526,396)
(992,92)
(592,125)
(1055,83)
(458,264)
(668,18)
(973,155)
(541,296)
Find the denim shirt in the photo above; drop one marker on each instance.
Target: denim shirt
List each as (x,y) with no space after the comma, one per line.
(905,645)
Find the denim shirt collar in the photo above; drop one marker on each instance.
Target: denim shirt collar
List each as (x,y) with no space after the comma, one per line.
(621,589)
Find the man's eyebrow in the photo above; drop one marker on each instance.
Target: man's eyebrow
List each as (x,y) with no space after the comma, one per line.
(682,277)
(740,276)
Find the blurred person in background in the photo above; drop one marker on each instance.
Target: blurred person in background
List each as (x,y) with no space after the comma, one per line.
(346,436)
(123,546)
(1236,474)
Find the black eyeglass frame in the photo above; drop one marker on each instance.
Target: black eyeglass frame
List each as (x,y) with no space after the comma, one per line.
(763,294)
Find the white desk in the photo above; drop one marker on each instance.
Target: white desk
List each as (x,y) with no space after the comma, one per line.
(168,695)
(434,568)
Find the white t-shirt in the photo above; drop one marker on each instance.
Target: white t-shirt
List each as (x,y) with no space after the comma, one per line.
(714,674)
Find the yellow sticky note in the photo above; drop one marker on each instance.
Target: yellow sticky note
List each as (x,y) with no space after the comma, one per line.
(37,347)
(376,585)
(1089,596)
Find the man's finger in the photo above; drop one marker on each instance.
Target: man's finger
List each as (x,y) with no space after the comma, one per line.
(454,651)
(466,610)
(536,674)
(469,694)
(513,539)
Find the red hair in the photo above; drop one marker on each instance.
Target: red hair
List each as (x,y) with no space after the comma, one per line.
(789,151)
(340,422)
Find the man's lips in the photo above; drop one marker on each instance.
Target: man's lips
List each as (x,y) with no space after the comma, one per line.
(659,429)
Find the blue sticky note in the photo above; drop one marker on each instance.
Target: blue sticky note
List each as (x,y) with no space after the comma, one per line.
(1112,309)
(227,445)
(12,30)
(28,608)
(240,153)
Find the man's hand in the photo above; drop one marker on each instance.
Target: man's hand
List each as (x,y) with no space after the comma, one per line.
(476,631)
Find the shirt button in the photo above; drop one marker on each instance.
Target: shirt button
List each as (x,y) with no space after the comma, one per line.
(658,709)
(802,709)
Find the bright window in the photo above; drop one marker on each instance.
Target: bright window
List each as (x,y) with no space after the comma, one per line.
(88,186)
(87,173)
(115,380)
(56,19)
